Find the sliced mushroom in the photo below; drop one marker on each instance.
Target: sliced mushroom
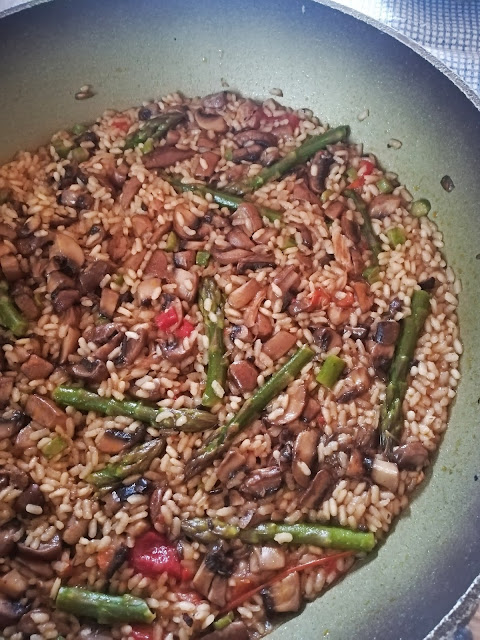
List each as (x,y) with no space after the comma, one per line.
(360,332)
(263,328)
(187,284)
(56,280)
(363,294)
(327,338)
(91,276)
(384,205)
(232,463)
(117,246)
(76,198)
(279,345)
(120,556)
(251,153)
(219,561)
(132,347)
(147,290)
(157,266)
(304,454)
(11,267)
(210,121)
(318,170)
(203,578)
(184,259)
(10,612)
(13,584)
(386,333)
(297,396)
(239,298)
(262,482)
(75,529)
(204,165)
(254,261)
(385,474)
(50,550)
(350,229)
(237,332)
(312,409)
(234,631)
(10,533)
(381,355)
(186,223)
(108,302)
(11,423)
(215,100)
(334,210)
(239,239)
(28,245)
(23,298)
(230,256)
(284,285)
(114,441)
(118,174)
(255,136)
(119,495)
(355,468)
(283,596)
(412,455)
(166,156)
(6,387)
(317,489)
(130,189)
(176,351)
(45,411)
(67,253)
(267,558)
(63,299)
(155,506)
(242,377)
(302,192)
(90,370)
(356,383)
(36,368)
(32,495)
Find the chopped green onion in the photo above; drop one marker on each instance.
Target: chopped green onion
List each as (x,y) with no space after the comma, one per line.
(79,154)
(172,242)
(101,319)
(331,371)
(61,148)
(79,128)
(384,185)
(352,173)
(289,243)
(326,195)
(147,145)
(396,236)
(202,258)
(118,279)
(228,154)
(54,446)
(420,208)
(5,195)
(371,274)
(224,621)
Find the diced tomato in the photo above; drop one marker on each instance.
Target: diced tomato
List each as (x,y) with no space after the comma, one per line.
(122,124)
(185,329)
(366,167)
(104,558)
(154,554)
(142,632)
(357,183)
(242,585)
(293,120)
(189,596)
(319,298)
(346,301)
(166,319)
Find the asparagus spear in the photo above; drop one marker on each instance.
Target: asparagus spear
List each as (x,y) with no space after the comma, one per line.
(210,301)
(103,607)
(367,227)
(298,156)
(391,418)
(155,128)
(223,436)
(10,316)
(220,197)
(189,420)
(137,460)
(208,530)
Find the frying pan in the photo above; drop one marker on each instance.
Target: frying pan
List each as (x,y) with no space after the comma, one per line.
(338,66)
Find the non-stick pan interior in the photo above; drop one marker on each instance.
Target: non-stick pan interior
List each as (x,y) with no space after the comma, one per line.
(322,59)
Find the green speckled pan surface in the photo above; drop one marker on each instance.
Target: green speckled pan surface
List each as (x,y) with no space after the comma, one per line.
(338,66)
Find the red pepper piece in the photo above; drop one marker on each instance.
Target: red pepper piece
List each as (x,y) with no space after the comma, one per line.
(142,632)
(154,554)
(185,329)
(346,301)
(357,183)
(121,124)
(166,319)
(319,298)
(366,167)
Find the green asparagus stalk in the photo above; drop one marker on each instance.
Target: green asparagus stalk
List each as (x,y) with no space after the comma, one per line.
(208,530)
(189,420)
(137,460)
(10,316)
(367,228)
(223,436)
(155,128)
(221,198)
(103,607)
(391,415)
(210,302)
(300,155)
